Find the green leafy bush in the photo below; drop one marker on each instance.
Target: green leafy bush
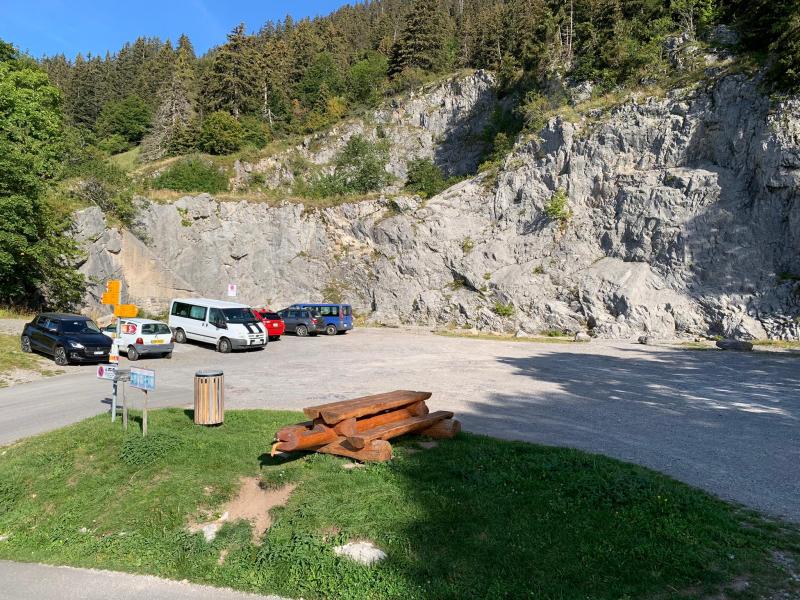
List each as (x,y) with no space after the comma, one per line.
(366,79)
(114,144)
(425,178)
(467,244)
(192,174)
(503,310)
(128,118)
(220,133)
(360,168)
(255,131)
(556,208)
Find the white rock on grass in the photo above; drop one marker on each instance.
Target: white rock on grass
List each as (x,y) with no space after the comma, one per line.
(365,553)
(4,537)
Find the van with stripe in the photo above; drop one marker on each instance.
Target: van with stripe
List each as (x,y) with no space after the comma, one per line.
(227,325)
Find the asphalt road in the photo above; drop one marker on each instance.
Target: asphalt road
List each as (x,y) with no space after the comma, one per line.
(725,422)
(26,581)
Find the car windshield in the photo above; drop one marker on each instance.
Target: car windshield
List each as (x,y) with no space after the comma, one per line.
(79,326)
(271,316)
(238,315)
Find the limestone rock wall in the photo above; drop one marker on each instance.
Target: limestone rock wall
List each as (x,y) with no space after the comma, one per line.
(685,220)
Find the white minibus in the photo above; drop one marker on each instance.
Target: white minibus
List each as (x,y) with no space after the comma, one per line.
(227,325)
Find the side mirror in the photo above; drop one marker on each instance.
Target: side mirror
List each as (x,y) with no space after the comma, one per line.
(220,325)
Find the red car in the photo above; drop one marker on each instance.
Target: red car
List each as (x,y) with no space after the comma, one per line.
(272,323)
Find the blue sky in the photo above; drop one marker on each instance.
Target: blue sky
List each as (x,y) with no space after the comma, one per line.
(47,27)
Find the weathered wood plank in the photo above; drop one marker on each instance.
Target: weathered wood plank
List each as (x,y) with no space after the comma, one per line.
(390,430)
(336,412)
(350,427)
(375,451)
(448,428)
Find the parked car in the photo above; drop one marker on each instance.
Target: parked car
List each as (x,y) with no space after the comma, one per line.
(272,323)
(137,337)
(301,321)
(67,338)
(336,318)
(227,325)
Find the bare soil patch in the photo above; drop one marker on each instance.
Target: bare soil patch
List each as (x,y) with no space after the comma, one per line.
(252,504)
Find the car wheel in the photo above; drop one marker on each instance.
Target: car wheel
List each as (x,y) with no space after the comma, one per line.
(301,330)
(25,344)
(330,330)
(180,336)
(132,353)
(224,346)
(167,355)
(60,357)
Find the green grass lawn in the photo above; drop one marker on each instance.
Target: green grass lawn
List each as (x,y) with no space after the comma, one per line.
(128,160)
(474,517)
(11,357)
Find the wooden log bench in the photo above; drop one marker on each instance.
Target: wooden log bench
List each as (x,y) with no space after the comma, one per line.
(360,428)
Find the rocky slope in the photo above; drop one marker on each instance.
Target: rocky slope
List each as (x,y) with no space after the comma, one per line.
(684,220)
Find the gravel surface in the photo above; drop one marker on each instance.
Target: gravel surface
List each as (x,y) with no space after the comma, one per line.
(723,421)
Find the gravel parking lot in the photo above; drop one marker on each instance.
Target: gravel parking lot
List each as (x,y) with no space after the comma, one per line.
(726,422)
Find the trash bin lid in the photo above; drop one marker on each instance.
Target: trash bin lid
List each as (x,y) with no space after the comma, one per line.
(209,373)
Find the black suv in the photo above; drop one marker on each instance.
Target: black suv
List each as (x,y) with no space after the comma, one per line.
(301,321)
(67,338)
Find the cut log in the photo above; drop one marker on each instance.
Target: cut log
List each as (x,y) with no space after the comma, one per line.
(351,427)
(336,412)
(447,428)
(297,439)
(375,451)
(390,430)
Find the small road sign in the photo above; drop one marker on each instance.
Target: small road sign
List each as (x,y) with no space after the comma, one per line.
(143,379)
(106,371)
(232,290)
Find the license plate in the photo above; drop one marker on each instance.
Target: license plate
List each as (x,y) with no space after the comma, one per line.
(158,341)
(99,352)
(274,324)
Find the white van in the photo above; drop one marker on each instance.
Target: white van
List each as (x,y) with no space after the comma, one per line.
(227,325)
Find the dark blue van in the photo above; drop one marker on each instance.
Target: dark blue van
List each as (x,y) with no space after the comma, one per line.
(336,318)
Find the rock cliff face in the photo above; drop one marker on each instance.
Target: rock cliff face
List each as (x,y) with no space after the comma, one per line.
(684,220)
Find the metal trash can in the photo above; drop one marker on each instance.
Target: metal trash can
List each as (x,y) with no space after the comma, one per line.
(209,397)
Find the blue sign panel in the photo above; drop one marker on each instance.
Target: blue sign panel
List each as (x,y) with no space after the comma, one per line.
(143,379)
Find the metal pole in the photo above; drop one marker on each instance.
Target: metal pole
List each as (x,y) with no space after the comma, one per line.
(144,416)
(124,408)
(114,401)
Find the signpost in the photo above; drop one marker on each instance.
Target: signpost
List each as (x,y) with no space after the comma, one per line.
(232,290)
(145,380)
(107,372)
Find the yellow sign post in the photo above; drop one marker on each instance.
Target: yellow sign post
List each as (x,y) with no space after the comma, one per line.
(113,293)
(126,310)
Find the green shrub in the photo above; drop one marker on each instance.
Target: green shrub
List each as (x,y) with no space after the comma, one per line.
(503,310)
(192,175)
(359,170)
(467,245)
(556,208)
(114,144)
(128,118)
(220,133)
(425,178)
(255,132)
(366,79)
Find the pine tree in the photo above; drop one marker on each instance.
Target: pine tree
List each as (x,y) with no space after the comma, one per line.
(178,105)
(423,41)
(232,83)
